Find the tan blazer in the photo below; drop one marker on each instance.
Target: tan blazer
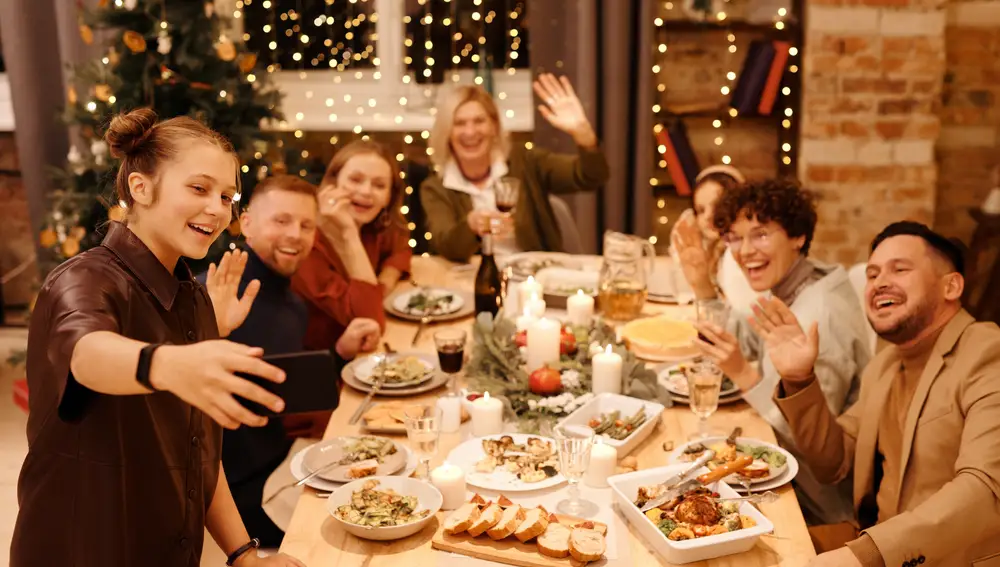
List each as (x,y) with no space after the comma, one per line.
(948,509)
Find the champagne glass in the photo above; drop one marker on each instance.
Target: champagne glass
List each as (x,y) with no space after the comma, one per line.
(450,345)
(423,429)
(704,383)
(574,443)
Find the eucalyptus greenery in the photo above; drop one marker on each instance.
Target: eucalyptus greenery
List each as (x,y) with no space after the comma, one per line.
(497,366)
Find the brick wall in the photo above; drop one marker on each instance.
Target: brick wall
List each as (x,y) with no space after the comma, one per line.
(873,77)
(16,240)
(969,146)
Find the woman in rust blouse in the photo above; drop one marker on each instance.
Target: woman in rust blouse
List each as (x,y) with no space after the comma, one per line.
(362,250)
(129,384)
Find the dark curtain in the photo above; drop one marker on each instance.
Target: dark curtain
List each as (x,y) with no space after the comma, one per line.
(603,46)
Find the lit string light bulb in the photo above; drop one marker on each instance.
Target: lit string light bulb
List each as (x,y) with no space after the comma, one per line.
(786,135)
(727,84)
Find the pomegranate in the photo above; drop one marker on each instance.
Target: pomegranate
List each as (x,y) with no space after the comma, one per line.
(521,339)
(567,342)
(545,381)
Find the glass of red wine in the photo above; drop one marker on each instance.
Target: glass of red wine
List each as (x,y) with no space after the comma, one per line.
(450,345)
(506,191)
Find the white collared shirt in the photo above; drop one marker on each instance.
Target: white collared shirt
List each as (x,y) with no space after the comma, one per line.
(483,199)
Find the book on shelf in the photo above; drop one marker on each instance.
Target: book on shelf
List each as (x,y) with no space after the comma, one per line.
(760,78)
(682,164)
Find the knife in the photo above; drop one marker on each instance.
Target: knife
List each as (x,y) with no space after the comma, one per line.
(704,480)
(676,480)
(371,393)
(420,329)
(737,431)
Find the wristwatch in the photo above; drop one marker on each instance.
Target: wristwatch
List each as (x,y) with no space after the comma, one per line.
(252,544)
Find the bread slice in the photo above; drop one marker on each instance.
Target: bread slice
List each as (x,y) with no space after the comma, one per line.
(504,502)
(509,521)
(487,519)
(362,469)
(477,499)
(534,524)
(554,542)
(586,544)
(461,519)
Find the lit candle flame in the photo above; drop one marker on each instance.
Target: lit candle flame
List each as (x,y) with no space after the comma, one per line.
(608,349)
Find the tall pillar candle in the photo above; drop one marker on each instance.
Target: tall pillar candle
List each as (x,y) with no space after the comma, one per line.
(543,343)
(580,308)
(607,372)
(450,482)
(525,321)
(603,460)
(528,288)
(487,416)
(535,306)
(451,413)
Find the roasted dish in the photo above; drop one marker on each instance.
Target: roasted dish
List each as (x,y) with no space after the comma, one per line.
(367,448)
(400,371)
(376,508)
(533,461)
(766,461)
(695,513)
(612,425)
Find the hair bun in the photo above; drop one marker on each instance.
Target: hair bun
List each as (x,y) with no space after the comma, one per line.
(129,131)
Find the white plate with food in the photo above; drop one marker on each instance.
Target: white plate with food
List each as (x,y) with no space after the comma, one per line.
(388,417)
(298,467)
(345,459)
(772,466)
(674,380)
(384,508)
(621,422)
(509,463)
(436,304)
(396,370)
(660,339)
(435,378)
(694,528)
(527,264)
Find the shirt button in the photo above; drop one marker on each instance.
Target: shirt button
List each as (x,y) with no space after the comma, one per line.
(190,335)
(191,494)
(183,542)
(195,441)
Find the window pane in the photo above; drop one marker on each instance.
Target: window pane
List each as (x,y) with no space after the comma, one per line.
(312,34)
(442,36)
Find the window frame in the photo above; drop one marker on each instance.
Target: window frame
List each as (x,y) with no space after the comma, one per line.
(307,92)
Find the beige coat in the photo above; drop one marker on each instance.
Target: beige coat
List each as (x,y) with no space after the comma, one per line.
(948,509)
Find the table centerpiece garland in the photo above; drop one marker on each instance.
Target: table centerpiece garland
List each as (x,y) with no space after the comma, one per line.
(497,366)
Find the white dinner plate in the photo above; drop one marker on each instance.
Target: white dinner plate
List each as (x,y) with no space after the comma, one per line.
(466,455)
(299,469)
(758,485)
(672,377)
(401,302)
(366,365)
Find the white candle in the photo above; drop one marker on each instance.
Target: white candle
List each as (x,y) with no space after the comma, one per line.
(603,460)
(543,343)
(607,372)
(525,321)
(535,306)
(487,416)
(450,481)
(580,308)
(528,288)
(451,413)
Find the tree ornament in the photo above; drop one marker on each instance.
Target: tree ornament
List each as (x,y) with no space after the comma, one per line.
(131,4)
(163,43)
(99,149)
(209,9)
(86,34)
(70,247)
(165,73)
(77,232)
(48,238)
(75,159)
(71,95)
(103,4)
(247,62)
(225,49)
(134,41)
(102,93)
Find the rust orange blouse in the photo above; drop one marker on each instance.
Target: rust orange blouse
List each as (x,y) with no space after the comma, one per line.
(333,298)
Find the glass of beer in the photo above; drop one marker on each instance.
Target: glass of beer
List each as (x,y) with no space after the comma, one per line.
(704,382)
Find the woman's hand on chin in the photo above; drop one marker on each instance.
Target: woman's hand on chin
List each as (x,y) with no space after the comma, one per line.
(563,109)
(335,212)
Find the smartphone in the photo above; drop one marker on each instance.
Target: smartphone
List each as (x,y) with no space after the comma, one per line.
(312,383)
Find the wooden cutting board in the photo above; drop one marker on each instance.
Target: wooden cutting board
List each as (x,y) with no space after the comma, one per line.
(509,550)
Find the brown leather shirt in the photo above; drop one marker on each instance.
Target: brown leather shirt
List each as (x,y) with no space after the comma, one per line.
(114,480)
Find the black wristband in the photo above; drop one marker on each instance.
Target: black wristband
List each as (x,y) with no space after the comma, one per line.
(142,369)
(252,544)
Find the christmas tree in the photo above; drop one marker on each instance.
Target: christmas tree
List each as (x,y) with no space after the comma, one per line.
(175,57)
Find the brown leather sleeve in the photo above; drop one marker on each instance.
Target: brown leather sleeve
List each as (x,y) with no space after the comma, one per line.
(826,442)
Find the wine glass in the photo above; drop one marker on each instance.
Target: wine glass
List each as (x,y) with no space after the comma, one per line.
(704,383)
(423,429)
(450,345)
(574,443)
(505,192)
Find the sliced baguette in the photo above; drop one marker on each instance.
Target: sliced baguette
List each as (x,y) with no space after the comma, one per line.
(534,524)
(487,519)
(586,545)
(462,519)
(509,521)
(477,499)
(504,502)
(554,542)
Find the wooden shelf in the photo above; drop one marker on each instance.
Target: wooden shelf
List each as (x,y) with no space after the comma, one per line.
(791,27)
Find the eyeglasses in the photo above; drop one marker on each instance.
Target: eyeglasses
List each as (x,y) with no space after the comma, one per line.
(758,238)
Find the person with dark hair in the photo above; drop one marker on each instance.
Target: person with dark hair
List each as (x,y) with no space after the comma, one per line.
(280,226)
(923,441)
(696,246)
(130,384)
(768,226)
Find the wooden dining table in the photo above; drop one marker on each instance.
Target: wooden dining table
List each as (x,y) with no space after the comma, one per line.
(315,538)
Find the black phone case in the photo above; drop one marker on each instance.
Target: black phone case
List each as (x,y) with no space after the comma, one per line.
(312,383)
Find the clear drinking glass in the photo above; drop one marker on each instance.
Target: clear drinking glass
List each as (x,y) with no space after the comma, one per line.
(505,193)
(423,429)
(450,345)
(712,311)
(574,445)
(704,383)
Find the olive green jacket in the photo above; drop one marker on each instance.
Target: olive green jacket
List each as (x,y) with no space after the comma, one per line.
(541,173)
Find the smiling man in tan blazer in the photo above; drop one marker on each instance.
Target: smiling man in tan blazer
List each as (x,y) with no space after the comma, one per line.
(923,440)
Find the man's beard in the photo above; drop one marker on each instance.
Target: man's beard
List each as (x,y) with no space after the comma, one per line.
(911,326)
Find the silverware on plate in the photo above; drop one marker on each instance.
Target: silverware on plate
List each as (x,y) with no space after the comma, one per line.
(676,483)
(420,329)
(379,379)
